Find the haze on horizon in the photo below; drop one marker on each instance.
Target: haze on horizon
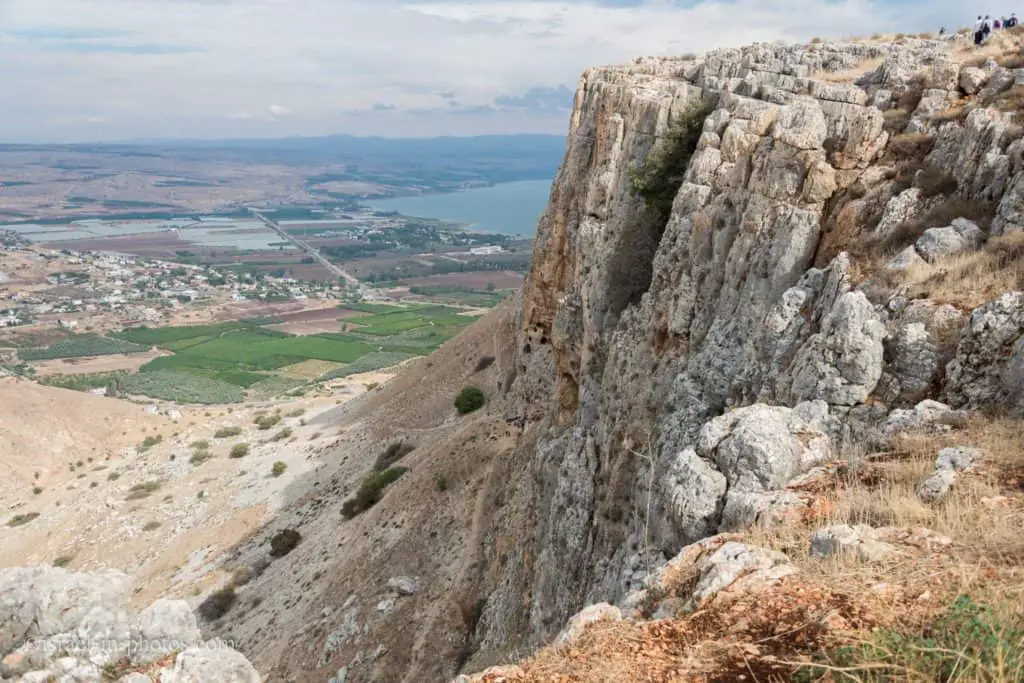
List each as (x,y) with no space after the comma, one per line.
(113,70)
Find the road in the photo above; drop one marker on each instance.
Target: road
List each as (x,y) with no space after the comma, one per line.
(309,249)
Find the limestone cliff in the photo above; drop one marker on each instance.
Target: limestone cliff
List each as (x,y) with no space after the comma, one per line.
(815,164)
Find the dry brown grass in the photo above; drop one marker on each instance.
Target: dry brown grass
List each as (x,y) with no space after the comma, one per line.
(838,600)
(970,280)
(907,146)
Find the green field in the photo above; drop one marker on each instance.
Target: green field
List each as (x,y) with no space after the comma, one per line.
(82,345)
(225,362)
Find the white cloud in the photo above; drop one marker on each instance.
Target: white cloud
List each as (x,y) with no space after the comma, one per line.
(278,111)
(169,68)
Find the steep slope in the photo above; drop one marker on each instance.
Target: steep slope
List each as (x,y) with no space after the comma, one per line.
(753,263)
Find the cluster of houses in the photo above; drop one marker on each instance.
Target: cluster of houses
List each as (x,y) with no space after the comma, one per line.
(134,290)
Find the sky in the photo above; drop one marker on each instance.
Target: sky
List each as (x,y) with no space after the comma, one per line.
(113,70)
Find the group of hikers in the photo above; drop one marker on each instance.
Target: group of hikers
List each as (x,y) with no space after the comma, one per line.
(985,26)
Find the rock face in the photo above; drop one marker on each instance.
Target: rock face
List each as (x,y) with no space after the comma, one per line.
(64,625)
(664,351)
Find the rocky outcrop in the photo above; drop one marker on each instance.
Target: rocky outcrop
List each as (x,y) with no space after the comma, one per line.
(988,362)
(677,342)
(67,626)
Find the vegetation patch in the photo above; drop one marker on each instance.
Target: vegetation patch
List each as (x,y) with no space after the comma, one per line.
(278,468)
(469,400)
(63,560)
(149,442)
(371,491)
(218,604)
(377,360)
(182,387)
(971,641)
(239,450)
(659,177)
(80,346)
(143,490)
(226,432)
(21,520)
(283,542)
(393,454)
(265,422)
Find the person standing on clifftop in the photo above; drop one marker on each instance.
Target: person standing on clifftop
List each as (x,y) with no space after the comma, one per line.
(979,30)
(1012,21)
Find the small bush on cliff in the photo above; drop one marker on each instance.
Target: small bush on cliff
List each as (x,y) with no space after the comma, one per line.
(371,491)
(239,450)
(218,604)
(283,542)
(468,400)
(393,454)
(658,178)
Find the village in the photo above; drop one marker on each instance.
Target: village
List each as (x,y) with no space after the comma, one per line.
(99,291)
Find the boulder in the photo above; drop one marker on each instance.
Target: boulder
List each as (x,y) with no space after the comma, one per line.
(738,565)
(585,617)
(210,665)
(696,491)
(169,624)
(949,463)
(38,602)
(937,243)
(988,356)
(906,259)
(403,585)
(841,364)
(926,415)
(914,361)
(861,540)
(760,448)
(972,79)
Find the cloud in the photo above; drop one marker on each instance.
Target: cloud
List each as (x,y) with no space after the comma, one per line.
(556,97)
(278,111)
(188,68)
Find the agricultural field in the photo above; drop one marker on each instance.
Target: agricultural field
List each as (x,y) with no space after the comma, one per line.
(81,345)
(231,361)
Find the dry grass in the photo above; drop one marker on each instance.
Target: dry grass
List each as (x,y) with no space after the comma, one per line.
(970,280)
(764,636)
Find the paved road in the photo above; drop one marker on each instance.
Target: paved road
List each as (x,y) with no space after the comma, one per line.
(309,249)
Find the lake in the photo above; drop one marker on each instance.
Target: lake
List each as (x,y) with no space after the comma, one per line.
(507,208)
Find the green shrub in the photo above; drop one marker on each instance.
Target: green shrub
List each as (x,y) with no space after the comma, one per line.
(968,642)
(113,476)
(148,443)
(265,422)
(278,469)
(227,432)
(143,490)
(199,457)
(371,491)
(659,177)
(218,604)
(239,450)
(20,520)
(151,526)
(281,435)
(37,490)
(283,542)
(63,560)
(441,482)
(393,454)
(201,445)
(468,400)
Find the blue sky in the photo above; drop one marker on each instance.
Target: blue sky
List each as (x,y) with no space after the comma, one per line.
(84,70)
